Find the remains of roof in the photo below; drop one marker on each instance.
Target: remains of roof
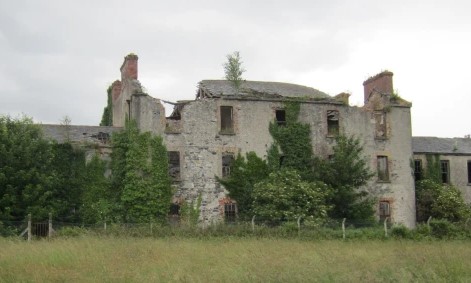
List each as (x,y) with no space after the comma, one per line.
(255,89)
(434,145)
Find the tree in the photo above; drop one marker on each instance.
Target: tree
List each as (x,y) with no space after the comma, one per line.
(140,175)
(107,117)
(285,196)
(245,173)
(233,69)
(440,201)
(346,172)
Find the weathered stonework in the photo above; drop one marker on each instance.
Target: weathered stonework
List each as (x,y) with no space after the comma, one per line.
(194,131)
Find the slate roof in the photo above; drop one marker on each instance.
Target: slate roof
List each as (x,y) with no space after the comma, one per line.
(79,134)
(219,88)
(457,146)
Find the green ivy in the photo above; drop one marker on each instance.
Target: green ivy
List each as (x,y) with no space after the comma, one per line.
(107,117)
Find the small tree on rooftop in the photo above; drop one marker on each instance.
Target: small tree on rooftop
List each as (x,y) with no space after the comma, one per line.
(233,69)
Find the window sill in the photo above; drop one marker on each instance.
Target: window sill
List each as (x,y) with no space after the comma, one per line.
(227,133)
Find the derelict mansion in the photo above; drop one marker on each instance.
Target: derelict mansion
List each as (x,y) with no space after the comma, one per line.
(203,136)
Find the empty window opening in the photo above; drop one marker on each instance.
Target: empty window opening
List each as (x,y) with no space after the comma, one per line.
(418,169)
(282,160)
(383,170)
(280,117)
(227,160)
(384,210)
(174,209)
(332,122)
(445,171)
(227,123)
(230,212)
(469,171)
(174,164)
(380,125)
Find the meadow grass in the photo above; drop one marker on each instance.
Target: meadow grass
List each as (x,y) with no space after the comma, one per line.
(232,259)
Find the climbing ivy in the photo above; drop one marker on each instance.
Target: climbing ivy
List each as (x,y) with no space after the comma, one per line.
(107,117)
(292,146)
(433,171)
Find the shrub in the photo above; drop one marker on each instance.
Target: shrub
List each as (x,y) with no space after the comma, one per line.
(442,228)
(400,231)
(70,232)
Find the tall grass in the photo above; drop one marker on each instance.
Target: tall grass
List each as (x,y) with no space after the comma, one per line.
(176,259)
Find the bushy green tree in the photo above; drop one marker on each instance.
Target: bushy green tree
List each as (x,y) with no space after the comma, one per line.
(285,196)
(346,171)
(233,69)
(107,117)
(441,201)
(140,175)
(245,173)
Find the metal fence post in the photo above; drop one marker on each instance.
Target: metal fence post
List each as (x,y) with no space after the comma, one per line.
(343,228)
(29,227)
(49,230)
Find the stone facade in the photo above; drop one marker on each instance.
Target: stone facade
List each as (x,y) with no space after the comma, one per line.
(224,121)
(454,155)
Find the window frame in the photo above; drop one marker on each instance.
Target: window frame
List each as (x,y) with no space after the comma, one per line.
(230,212)
(382,176)
(469,172)
(381,205)
(226,169)
(445,172)
(279,122)
(226,115)
(418,169)
(333,126)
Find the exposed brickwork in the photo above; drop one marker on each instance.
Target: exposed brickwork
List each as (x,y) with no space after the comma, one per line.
(381,82)
(129,67)
(116,89)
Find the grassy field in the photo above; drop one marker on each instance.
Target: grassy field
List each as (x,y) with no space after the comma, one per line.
(110,259)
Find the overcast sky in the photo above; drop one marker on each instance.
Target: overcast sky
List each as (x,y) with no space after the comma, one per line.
(58,57)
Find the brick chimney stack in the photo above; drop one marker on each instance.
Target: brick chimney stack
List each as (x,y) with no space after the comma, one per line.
(115,89)
(129,67)
(381,82)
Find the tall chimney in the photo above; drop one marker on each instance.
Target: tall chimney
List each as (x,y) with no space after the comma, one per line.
(381,82)
(129,67)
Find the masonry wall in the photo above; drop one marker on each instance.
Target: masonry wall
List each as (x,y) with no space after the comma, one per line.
(201,147)
(458,171)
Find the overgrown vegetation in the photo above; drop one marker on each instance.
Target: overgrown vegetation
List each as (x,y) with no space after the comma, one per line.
(233,69)
(107,117)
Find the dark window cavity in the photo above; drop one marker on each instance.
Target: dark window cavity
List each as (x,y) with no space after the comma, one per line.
(280,117)
(332,122)
(174,164)
(383,170)
(227,160)
(227,123)
(230,212)
(469,171)
(384,210)
(445,171)
(418,169)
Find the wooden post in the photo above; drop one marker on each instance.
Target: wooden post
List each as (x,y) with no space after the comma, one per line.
(151,226)
(386,227)
(253,224)
(104,224)
(49,228)
(343,228)
(29,227)
(203,217)
(299,226)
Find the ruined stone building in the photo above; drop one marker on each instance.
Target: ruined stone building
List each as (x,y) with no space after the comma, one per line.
(203,135)
(454,156)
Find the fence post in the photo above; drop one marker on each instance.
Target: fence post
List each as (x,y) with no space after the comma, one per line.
(151,225)
(29,227)
(428,222)
(299,226)
(203,217)
(253,224)
(343,228)
(49,230)
(386,227)
(104,224)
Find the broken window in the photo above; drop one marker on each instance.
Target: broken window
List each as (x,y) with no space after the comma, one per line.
(380,125)
(383,170)
(227,123)
(280,117)
(174,164)
(332,122)
(445,171)
(227,160)
(384,210)
(418,169)
(230,212)
(469,171)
